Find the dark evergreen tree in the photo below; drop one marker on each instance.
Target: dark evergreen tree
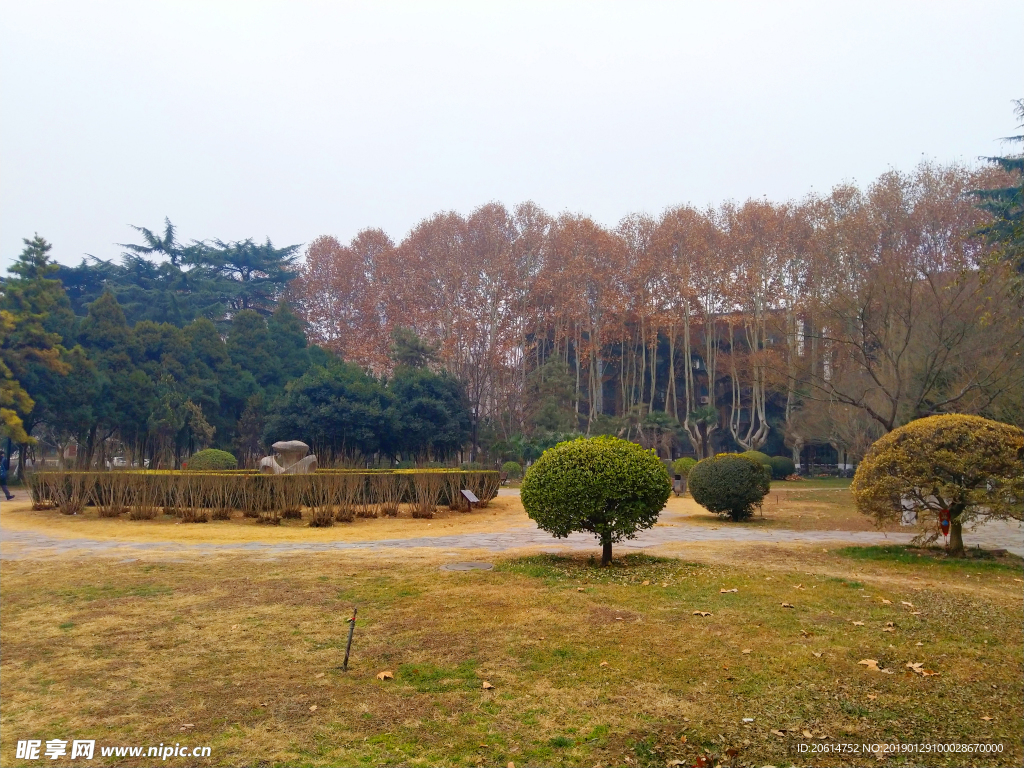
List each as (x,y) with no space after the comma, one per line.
(431,413)
(1006,204)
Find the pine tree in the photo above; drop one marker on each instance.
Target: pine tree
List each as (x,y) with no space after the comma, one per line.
(1006,204)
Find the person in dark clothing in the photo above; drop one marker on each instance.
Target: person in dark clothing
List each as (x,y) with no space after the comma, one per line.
(4,464)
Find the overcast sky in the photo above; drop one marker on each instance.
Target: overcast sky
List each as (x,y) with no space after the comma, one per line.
(296,119)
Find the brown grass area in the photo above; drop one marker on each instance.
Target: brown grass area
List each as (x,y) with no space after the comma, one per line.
(501,513)
(589,666)
(808,505)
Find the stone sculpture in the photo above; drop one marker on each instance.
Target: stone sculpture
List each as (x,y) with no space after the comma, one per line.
(289,459)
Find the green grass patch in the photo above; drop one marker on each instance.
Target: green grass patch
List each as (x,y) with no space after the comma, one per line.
(563,568)
(89,592)
(974,559)
(428,678)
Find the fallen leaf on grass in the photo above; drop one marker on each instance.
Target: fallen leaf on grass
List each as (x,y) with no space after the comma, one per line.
(387,674)
(732,751)
(313,708)
(726,591)
(603,664)
(986,718)
(321,674)
(487,686)
(919,644)
(857,623)
(745,650)
(674,763)
(915,613)
(665,584)
(702,613)
(904,602)
(779,733)
(234,627)
(579,589)
(511,765)
(808,735)
(872,696)
(188,725)
(817,653)
(917,667)
(888,629)
(787,605)
(870,664)
(886,602)
(645,583)
(799,586)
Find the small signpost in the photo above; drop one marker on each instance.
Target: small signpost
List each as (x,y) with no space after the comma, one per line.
(470,498)
(351,630)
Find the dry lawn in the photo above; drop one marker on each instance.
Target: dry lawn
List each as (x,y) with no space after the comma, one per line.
(589,666)
(804,505)
(502,513)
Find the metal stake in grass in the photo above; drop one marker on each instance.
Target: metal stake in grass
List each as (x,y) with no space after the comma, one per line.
(351,630)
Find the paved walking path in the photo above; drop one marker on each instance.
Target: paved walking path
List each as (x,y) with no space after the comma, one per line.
(31,544)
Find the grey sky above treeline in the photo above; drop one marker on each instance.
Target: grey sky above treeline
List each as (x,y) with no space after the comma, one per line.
(296,119)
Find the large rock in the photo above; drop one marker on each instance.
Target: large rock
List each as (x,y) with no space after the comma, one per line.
(289,459)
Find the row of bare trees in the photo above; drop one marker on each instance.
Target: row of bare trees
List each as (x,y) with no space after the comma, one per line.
(832,319)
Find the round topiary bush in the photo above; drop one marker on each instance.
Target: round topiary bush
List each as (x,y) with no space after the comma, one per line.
(729,484)
(761,458)
(512,469)
(211,459)
(782,467)
(603,485)
(683,466)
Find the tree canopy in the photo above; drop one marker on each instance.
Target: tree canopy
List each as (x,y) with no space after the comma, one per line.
(602,485)
(967,465)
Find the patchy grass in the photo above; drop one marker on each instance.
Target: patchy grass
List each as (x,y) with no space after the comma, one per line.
(589,665)
(973,559)
(819,504)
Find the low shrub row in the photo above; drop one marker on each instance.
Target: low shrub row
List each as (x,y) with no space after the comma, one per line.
(327,495)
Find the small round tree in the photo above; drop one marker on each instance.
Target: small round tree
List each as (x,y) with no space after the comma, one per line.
(603,485)
(729,484)
(967,465)
(683,466)
(763,458)
(211,459)
(513,469)
(782,467)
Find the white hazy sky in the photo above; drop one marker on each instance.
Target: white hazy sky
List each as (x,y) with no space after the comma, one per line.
(296,119)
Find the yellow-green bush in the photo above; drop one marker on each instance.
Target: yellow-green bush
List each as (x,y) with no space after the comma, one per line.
(968,465)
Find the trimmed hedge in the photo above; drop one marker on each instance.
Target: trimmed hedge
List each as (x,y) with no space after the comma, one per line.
(602,485)
(729,485)
(211,460)
(196,496)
